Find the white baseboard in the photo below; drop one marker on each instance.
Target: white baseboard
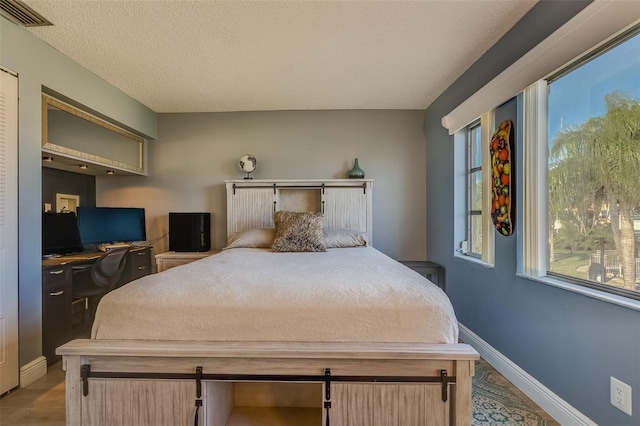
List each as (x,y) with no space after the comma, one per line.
(555,406)
(32,371)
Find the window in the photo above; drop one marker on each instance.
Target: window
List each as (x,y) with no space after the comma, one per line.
(475,239)
(592,170)
(474,189)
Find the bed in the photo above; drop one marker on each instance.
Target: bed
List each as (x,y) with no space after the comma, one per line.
(339,336)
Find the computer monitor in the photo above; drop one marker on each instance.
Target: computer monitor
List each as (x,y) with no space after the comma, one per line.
(60,234)
(111,224)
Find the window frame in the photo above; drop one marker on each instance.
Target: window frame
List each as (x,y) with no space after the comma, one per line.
(472,170)
(463,226)
(534,261)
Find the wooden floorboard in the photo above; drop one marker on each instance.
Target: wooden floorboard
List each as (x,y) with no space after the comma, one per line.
(41,403)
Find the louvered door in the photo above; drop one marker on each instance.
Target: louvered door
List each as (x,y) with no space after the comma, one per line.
(9,371)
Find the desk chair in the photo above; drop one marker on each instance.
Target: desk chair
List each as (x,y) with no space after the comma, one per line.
(93,282)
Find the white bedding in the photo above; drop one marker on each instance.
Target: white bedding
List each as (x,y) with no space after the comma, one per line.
(341,295)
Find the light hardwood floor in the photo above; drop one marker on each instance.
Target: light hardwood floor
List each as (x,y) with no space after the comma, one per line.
(41,403)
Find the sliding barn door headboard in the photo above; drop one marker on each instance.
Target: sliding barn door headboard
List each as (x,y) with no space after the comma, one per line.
(346,203)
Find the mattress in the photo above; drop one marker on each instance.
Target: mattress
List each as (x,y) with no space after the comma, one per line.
(341,295)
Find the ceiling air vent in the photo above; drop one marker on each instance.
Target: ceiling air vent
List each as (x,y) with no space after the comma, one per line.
(22,14)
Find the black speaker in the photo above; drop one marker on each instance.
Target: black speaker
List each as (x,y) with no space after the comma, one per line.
(189,231)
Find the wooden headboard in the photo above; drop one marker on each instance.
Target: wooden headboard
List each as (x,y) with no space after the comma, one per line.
(346,203)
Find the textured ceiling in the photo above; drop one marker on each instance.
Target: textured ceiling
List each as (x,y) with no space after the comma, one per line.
(205,56)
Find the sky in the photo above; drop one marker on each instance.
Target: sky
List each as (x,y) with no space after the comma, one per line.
(579,95)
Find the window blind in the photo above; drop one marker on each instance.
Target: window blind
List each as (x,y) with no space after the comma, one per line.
(582,34)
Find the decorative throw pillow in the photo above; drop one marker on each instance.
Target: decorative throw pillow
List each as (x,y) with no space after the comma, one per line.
(297,232)
(251,238)
(342,238)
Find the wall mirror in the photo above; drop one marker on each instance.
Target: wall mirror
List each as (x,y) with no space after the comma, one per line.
(77,141)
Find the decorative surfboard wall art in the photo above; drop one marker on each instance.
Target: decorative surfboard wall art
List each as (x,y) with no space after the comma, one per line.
(502,182)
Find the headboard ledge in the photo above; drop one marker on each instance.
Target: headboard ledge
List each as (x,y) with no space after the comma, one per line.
(345,203)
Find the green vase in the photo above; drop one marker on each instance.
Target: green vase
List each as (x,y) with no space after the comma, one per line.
(356,172)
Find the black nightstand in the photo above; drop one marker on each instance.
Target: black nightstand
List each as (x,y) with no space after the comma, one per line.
(432,271)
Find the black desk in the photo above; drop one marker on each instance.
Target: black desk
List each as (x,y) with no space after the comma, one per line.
(57,301)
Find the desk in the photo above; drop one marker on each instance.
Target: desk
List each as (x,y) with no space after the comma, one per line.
(57,285)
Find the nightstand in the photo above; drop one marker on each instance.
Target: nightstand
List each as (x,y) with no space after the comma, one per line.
(170,259)
(430,270)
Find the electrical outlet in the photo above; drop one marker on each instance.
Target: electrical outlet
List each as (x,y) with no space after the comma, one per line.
(621,395)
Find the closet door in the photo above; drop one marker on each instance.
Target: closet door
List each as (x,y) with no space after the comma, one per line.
(9,370)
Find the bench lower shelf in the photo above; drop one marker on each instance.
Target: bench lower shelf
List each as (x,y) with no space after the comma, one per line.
(275,416)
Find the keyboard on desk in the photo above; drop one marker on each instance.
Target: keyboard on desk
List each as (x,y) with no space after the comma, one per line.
(90,255)
(70,258)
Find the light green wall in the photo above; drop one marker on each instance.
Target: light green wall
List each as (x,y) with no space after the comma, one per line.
(38,65)
(195,153)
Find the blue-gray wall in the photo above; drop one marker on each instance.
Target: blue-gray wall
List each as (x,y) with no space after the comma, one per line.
(39,65)
(569,342)
(196,152)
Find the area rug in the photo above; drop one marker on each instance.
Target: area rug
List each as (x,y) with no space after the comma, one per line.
(497,402)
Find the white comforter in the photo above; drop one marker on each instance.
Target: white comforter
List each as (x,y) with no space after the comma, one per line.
(350,295)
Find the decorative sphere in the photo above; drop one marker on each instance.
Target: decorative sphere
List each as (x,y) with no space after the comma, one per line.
(248,163)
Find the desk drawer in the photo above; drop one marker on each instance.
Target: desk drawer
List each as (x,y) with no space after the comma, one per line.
(59,276)
(140,263)
(56,319)
(56,309)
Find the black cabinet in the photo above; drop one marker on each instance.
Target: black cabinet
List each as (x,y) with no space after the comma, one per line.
(56,310)
(58,307)
(138,265)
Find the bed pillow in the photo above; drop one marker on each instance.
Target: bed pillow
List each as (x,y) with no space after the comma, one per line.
(251,238)
(298,232)
(342,238)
